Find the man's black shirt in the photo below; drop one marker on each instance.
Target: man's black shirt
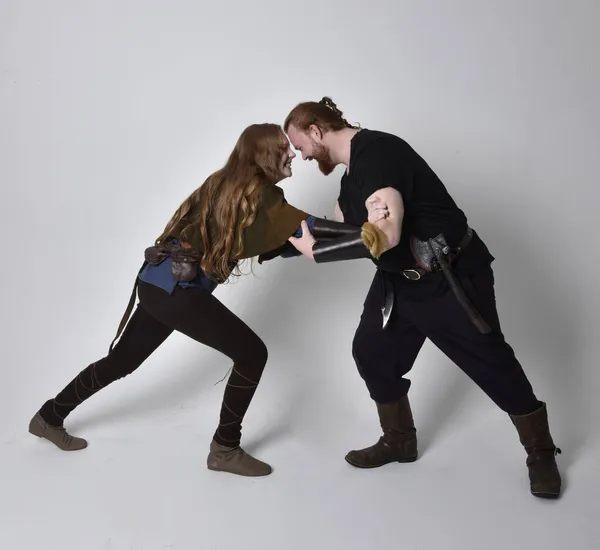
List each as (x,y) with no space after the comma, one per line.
(379,160)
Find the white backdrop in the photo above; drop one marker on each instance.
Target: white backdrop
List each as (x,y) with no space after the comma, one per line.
(112,112)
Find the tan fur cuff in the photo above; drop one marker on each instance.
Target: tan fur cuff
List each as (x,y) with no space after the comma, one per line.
(374,238)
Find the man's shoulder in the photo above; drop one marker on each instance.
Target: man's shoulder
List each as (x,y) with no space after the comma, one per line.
(379,134)
(377,142)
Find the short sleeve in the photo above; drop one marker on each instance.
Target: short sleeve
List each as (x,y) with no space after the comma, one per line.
(384,164)
(276,221)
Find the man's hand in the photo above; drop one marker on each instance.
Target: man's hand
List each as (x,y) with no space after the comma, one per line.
(305,243)
(377,209)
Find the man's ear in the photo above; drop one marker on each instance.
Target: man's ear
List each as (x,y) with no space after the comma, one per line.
(315,132)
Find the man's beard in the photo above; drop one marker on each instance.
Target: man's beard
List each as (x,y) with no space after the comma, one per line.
(323,157)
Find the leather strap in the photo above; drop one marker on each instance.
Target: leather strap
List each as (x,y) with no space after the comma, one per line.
(127,314)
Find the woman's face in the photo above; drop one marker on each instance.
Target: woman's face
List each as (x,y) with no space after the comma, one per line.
(285,162)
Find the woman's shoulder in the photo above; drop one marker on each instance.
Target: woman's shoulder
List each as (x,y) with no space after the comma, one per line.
(271,194)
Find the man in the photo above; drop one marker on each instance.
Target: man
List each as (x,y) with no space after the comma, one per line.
(434,280)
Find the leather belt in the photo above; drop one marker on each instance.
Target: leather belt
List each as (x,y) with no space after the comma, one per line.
(417,272)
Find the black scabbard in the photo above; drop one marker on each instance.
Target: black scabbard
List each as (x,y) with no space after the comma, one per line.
(440,251)
(463,299)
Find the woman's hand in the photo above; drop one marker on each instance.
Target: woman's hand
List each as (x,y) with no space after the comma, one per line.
(377,209)
(305,243)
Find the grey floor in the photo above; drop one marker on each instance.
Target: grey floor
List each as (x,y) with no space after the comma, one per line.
(142,483)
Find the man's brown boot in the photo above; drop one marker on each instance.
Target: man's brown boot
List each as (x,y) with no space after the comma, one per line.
(235,461)
(534,434)
(55,434)
(399,440)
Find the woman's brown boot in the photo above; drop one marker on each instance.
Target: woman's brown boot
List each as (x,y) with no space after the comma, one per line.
(235,461)
(55,434)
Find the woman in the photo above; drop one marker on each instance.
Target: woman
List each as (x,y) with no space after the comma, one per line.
(238,213)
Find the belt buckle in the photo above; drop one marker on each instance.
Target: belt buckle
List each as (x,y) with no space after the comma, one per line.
(411,274)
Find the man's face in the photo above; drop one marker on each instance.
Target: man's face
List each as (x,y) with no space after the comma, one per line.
(311,146)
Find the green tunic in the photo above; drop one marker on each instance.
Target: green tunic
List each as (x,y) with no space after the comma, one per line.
(275,222)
